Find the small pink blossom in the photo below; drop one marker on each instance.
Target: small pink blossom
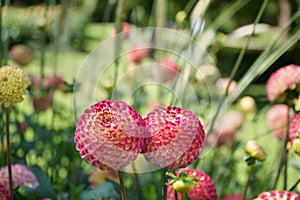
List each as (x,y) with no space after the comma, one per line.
(277,120)
(138,53)
(283,79)
(222,83)
(294,129)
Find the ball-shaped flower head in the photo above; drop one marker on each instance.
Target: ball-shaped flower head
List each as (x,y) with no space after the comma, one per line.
(174,137)
(4,192)
(13,85)
(226,127)
(204,189)
(255,150)
(222,84)
(21,176)
(283,79)
(277,120)
(276,195)
(109,134)
(294,129)
(138,52)
(170,68)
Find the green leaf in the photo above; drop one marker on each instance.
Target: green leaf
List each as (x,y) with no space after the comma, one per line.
(45,188)
(105,190)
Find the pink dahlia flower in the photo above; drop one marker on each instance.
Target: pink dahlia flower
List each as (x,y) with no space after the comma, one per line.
(277,120)
(294,129)
(21,176)
(277,195)
(222,83)
(4,192)
(138,53)
(226,127)
(203,190)
(175,137)
(170,68)
(285,78)
(109,134)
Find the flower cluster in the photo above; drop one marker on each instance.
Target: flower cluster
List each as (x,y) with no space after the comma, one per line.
(111,134)
(13,85)
(21,176)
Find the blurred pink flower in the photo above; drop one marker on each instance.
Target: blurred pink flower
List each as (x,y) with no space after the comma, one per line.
(294,129)
(109,134)
(21,176)
(125,29)
(4,192)
(138,53)
(204,189)
(175,137)
(226,128)
(222,83)
(276,195)
(283,79)
(170,68)
(277,120)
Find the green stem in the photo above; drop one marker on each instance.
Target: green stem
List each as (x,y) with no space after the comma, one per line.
(120,17)
(121,179)
(295,185)
(247,183)
(139,187)
(165,187)
(183,196)
(285,151)
(7,111)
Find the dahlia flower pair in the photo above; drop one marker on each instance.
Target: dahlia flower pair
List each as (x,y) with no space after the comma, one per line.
(111,134)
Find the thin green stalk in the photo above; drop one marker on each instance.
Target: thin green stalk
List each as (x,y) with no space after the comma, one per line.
(295,185)
(278,172)
(139,187)
(121,179)
(120,16)
(7,112)
(165,187)
(183,195)
(266,59)
(285,151)
(248,182)
(237,64)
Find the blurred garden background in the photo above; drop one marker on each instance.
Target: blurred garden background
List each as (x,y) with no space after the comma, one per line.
(244,42)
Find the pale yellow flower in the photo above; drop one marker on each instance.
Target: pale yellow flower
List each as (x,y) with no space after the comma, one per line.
(13,85)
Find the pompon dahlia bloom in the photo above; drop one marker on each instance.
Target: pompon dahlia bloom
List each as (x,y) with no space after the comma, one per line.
(4,192)
(226,128)
(21,176)
(174,137)
(109,134)
(138,53)
(277,120)
(204,189)
(283,79)
(222,83)
(294,129)
(277,195)
(13,85)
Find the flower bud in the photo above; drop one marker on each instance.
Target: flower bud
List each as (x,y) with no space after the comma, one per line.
(255,150)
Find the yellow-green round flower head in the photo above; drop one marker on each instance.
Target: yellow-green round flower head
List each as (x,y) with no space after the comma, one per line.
(13,85)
